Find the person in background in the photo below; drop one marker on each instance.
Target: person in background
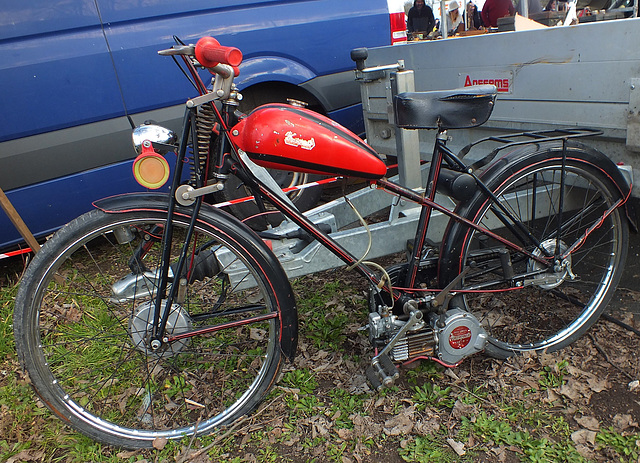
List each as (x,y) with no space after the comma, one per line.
(474,21)
(533,5)
(551,6)
(494,9)
(454,18)
(420,19)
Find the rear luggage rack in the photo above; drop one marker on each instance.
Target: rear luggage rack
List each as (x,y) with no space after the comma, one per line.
(524,138)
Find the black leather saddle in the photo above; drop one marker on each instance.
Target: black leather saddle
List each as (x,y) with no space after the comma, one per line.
(460,108)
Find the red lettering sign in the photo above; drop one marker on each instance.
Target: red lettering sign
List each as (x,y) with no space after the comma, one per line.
(501,84)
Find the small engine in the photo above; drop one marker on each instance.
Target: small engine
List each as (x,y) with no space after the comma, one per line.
(460,337)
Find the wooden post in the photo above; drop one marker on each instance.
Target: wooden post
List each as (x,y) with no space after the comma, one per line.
(18,222)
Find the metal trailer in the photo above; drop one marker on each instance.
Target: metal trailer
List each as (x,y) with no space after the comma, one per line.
(548,79)
(586,75)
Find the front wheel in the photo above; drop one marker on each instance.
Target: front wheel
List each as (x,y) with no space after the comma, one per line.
(524,304)
(84,316)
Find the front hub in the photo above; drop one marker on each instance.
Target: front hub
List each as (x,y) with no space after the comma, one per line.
(141,329)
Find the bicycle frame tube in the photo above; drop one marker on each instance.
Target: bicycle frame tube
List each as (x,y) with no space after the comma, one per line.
(502,213)
(428,206)
(427,202)
(412,196)
(425,212)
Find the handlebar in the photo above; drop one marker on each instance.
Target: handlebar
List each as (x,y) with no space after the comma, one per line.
(210,53)
(221,61)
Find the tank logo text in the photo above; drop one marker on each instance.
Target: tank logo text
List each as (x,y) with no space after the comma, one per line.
(292,139)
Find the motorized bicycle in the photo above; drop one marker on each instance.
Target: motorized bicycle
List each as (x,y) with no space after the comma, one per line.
(162,316)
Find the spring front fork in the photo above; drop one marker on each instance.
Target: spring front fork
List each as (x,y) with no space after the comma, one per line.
(161,312)
(205,120)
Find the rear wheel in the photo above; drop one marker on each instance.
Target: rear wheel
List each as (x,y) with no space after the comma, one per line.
(84,316)
(523,304)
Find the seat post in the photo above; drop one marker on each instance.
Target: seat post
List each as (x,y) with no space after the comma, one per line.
(407,141)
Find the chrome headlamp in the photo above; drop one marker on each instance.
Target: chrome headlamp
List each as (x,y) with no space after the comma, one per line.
(163,139)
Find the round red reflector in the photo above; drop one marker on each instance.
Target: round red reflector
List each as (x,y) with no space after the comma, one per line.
(151,170)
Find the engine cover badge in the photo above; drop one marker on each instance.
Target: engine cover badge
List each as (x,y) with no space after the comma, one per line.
(460,337)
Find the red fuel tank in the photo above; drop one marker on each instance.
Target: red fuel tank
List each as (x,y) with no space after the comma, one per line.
(280,136)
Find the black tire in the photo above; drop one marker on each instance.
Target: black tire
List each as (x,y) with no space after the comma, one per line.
(554,313)
(85,346)
(304,199)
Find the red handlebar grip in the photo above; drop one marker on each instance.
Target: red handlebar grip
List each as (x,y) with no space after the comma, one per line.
(209,53)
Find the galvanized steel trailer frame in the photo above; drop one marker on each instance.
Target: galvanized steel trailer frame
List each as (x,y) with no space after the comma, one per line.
(397,231)
(578,76)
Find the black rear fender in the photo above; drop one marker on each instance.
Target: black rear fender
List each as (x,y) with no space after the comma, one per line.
(575,150)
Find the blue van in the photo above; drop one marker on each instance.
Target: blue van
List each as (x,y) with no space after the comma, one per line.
(76,73)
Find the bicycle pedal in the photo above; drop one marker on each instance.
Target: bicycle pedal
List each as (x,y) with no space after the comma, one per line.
(382,372)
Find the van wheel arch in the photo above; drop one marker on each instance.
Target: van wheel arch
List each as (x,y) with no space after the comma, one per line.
(304,199)
(277,92)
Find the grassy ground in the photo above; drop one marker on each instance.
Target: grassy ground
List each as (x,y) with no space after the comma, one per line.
(580,404)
